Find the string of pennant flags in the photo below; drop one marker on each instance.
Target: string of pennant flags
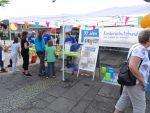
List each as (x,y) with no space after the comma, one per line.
(121,20)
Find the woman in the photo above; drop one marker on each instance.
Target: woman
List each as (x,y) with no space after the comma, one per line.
(136,94)
(15,51)
(25,53)
(40,50)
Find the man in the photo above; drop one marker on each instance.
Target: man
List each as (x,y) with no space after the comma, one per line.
(73,41)
(32,37)
(46,36)
(74,47)
(2,28)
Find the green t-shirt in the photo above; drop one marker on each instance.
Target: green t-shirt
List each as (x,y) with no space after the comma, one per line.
(50,51)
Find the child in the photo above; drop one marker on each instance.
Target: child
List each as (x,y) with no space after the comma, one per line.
(15,50)
(50,51)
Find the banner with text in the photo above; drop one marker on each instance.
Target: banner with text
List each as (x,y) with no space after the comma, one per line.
(89,37)
(120,34)
(88,57)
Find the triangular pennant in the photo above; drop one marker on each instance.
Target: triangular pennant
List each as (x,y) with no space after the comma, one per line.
(126,19)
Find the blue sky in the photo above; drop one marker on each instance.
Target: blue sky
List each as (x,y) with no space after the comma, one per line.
(21,8)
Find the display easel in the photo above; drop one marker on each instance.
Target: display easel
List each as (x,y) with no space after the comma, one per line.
(88,59)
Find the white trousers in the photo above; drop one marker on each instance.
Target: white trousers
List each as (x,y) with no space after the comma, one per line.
(14,58)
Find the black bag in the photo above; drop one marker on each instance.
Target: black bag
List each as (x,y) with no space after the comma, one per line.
(125,76)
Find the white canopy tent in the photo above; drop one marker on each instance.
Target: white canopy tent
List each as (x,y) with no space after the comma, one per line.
(104,17)
(139,10)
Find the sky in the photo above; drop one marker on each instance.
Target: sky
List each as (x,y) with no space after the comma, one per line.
(22,8)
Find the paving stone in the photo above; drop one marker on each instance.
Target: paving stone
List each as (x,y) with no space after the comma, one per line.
(109,91)
(34,111)
(56,91)
(24,94)
(104,103)
(81,106)
(40,104)
(18,111)
(26,106)
(3,92)
(50,99)
(91,93)
(92,109)
(77,92)
(47,110)
(62,105)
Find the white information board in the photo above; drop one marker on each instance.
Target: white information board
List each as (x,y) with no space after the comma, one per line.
(88,58)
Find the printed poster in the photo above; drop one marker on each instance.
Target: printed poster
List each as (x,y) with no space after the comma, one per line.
(88,57)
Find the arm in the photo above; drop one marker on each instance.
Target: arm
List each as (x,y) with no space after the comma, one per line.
(18,49)
(133,65)
(26,46)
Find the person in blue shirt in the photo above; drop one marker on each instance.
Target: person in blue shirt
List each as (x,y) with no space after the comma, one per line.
(74,47)
(40,50)
(46,36)
(31,37)
(73,41)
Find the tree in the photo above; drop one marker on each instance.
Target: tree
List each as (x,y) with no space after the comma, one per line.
(3,2)
(147,0)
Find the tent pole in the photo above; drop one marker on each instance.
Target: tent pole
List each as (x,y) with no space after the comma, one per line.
(63,77)
(9,30)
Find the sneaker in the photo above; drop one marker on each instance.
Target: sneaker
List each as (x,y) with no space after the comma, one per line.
(28,74)
(9,65)
(3,70)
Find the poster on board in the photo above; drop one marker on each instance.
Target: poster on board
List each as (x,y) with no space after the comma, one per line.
(88,57)
(89,37)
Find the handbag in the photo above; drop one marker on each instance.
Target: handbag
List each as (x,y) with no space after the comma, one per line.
(125,76)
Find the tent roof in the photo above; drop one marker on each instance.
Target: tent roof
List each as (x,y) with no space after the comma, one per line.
(108,16)
(121,11)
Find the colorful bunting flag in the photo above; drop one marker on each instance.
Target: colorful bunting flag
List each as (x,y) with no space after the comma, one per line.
(126,19)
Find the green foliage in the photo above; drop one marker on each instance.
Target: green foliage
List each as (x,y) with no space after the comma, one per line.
(3,2)
(147,0)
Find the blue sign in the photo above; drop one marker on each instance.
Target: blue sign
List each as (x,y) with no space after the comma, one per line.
(89,33)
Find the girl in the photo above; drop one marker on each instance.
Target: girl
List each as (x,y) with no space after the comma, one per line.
(51,52)
(15,50)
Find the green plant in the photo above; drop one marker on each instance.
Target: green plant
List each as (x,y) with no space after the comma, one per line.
(3,2)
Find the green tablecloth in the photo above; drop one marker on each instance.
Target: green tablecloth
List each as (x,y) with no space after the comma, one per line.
(74,54)
(32,51)
(59,53)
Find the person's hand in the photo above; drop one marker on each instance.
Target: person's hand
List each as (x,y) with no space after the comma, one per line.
(143,84)
(30,46)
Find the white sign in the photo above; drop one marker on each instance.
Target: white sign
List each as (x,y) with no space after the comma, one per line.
(88,57)
(67,47)
(123,35)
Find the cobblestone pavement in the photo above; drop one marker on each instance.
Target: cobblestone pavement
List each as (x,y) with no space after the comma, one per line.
(20,94)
